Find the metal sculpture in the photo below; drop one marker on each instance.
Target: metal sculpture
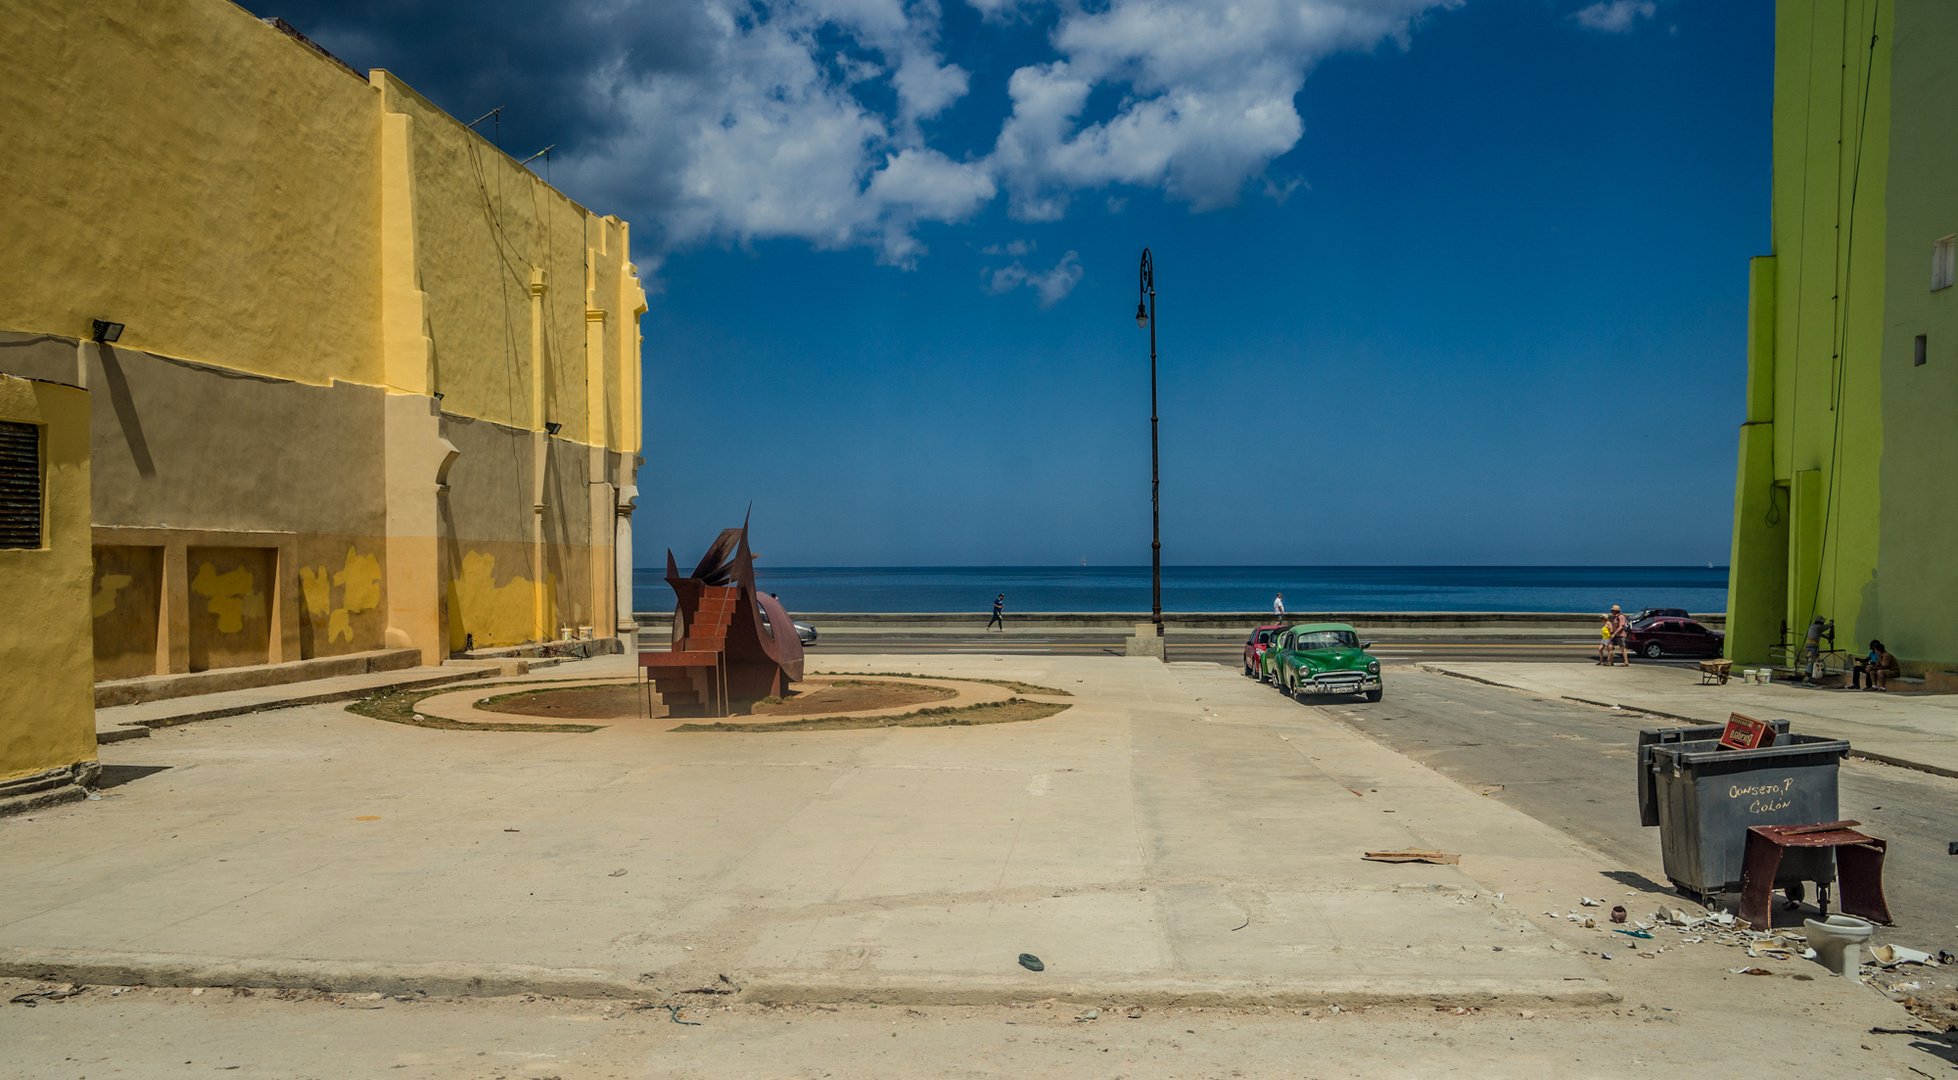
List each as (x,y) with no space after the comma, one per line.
(731,641)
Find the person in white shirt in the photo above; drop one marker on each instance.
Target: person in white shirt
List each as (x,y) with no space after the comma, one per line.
(1278,604)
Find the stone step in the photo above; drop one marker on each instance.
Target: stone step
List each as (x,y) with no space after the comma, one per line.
(191,684)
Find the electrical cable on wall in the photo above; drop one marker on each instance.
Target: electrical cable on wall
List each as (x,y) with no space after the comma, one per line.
(1839,377)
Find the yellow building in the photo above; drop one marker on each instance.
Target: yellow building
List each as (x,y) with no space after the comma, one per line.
(376,384)
(47,709)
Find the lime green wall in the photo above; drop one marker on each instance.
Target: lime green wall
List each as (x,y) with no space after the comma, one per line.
(1807,503)
(1910,603)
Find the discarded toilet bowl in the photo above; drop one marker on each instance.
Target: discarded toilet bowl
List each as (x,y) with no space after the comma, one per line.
(1838,942)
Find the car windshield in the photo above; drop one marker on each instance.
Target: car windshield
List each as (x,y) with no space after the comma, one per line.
(1328,639)
(1264,636)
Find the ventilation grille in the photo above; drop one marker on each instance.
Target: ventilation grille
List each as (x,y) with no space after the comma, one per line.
(20,485)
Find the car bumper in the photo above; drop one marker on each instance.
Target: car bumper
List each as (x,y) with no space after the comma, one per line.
(1339,684)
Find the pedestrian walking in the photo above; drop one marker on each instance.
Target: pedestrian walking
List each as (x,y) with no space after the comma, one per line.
(1616,623)
(1278,604)
(1604,642)
(999,606)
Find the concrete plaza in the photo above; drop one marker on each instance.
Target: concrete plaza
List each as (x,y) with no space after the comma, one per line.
(1180,840)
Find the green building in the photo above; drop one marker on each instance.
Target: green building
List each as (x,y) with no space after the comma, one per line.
(1843,505)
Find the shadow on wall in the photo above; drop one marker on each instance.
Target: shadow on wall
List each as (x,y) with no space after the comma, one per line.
(125,408)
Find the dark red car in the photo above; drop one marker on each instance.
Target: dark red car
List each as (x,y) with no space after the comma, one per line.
(1672,636)
(1254,649)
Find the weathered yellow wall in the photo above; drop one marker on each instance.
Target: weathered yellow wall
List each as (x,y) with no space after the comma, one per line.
(47,699)
(187,170)
(242,202)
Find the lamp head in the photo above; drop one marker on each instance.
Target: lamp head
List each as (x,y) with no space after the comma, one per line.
(105,330)
(1141,315)
(553,428)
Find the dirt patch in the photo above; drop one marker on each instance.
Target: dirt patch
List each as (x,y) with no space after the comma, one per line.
(616,702)
(628,701)
(1014,685)
(400,709)
(1936,1004)
(849,695)
(1012,710)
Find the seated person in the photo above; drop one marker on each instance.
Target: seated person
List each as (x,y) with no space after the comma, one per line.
(1874,672)
(1887,668)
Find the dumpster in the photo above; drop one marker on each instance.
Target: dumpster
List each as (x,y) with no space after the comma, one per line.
(1648,787)
(1708,795)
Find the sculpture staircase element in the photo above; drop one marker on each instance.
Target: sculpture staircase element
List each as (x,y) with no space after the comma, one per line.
(731,642)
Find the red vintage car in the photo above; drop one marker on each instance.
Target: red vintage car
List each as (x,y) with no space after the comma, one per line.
(1254,649)
(1672,636)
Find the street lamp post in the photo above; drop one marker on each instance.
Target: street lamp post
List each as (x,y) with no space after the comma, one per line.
(1145,315)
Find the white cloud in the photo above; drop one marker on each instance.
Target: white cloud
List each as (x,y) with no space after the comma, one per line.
(1615,16)
(1017,247)
(1052,284)
(803,118)
(1210,94)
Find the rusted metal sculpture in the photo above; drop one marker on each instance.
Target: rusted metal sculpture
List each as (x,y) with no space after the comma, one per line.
(731,641)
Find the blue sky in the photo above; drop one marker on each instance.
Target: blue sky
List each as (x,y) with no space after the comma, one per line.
(1438,282)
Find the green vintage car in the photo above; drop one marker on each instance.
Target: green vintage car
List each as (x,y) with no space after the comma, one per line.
(1322,658)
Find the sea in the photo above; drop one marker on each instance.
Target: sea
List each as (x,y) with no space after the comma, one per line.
(1226,588)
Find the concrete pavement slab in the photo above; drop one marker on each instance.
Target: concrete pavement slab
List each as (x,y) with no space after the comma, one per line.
(1180,834)
(113,723)
(1914,731)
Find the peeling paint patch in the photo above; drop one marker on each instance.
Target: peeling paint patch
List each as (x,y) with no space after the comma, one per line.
(360,582)
(495,614)
(104,600)
(230,596)
(317,587)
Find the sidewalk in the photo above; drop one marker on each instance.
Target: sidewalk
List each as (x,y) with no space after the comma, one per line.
(1917,732)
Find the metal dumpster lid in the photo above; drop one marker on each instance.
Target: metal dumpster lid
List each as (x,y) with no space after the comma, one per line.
(1710,752)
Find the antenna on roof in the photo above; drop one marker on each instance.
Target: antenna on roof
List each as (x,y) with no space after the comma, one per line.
(496,128)
(546,155)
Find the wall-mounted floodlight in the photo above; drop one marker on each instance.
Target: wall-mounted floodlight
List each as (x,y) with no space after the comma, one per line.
(553,428)
(107,331)
(438,395)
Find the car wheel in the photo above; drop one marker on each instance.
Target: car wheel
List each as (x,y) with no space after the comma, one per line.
(1374,695)
(1652,650)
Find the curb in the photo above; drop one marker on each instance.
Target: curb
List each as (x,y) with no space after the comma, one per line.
(1356,990)
(87,966)
(42,800)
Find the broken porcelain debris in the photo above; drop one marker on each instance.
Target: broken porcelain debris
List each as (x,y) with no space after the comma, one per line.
(1892,955)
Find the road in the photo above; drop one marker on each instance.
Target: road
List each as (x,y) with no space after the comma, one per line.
(1571,766)
(1228,653)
